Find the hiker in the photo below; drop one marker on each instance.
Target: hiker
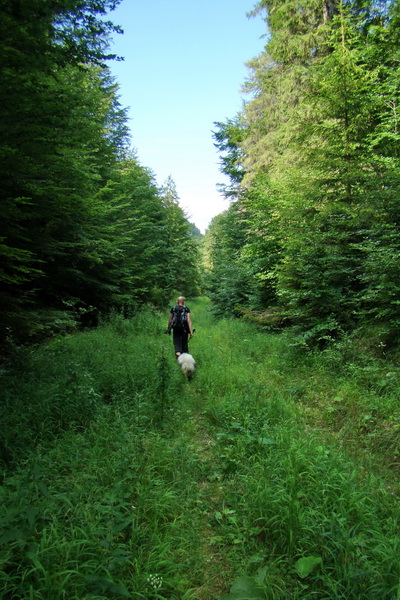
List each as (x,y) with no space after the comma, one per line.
(181,324)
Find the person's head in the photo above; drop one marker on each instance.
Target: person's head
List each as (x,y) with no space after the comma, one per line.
(181,300)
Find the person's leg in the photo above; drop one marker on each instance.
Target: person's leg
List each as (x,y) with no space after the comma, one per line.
(178,342)
(185,342)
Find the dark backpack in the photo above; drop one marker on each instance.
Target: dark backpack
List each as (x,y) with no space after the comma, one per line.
(179,317)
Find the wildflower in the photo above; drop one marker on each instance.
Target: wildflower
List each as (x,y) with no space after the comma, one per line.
(155,581)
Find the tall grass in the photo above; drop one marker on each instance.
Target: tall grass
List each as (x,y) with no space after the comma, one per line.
(243,483)
(62,385)
(291,492)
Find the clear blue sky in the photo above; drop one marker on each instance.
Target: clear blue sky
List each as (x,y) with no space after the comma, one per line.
(184,67)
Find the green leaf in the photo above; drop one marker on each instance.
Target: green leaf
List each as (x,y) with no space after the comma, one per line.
(245,588)
(305,565)
(121,526)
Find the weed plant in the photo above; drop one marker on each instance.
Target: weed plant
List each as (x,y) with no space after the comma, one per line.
(240,484)
(63,384)
(97,516)
(291,493)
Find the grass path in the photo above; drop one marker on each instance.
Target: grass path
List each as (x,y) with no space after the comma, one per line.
(215,570)
(159,489)
(248,409)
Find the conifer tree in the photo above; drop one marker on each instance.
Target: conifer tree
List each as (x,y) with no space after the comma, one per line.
(319,154)
(181,250)
(54,111)
(84,226)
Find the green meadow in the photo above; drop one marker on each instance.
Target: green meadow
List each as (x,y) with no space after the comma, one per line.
(271,475)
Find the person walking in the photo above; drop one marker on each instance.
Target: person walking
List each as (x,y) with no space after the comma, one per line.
(181,324)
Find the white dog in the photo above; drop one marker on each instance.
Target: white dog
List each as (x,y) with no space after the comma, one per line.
(187,364)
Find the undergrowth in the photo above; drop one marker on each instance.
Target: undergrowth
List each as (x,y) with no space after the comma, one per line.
(271,475)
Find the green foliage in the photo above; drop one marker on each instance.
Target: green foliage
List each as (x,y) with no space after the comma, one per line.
(380,294)
(304,566)
(84,227)
(240,253)
(55,150)
(128,239)
(48,391)
(180,268)
(319,157)
(228,138)
(226,279)
(248,588)
(262,476)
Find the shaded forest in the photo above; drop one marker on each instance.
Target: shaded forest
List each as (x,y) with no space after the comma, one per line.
(85,228)
(311,238)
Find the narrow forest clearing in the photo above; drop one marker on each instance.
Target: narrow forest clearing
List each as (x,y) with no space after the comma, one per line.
(269,476)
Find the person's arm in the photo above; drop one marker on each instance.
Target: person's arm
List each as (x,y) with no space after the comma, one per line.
(189,320)
(168,330)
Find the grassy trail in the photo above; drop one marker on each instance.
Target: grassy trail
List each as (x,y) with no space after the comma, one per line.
(130,482)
